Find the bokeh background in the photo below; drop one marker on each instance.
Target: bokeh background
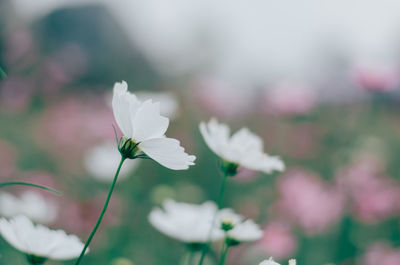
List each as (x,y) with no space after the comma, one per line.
(319,81)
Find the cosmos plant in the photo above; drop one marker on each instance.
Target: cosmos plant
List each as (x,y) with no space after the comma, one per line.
(143,136)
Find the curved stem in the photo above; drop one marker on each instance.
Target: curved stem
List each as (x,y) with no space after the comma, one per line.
(224,253)
(101,214)
(3,74)
(30,184)
(219,202)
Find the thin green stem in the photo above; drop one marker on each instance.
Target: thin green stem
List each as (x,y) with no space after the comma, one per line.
(224,253)
(102,213)
(31,185)
(219,202)
(3,74)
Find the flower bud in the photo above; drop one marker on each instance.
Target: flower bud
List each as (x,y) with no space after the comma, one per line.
(35,260)
(229,168)
(127,148)
(226,225)
(231,242)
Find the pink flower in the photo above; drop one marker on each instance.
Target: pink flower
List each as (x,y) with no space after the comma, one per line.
(308,201)
(278,240)
(73,125)
(85,212)
(289,99)
(15,94)
(377,78)
(381,253)
(373,196)
(222,99)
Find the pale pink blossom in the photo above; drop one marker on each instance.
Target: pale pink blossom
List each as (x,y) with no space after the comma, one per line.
(380,253)
(305,199)
(278,240)
(377,77)
(289,98)
(222,99)
(373,196)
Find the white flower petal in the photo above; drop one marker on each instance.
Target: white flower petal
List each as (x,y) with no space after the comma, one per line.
(246,231)
(243,148)
(124,106)
(39,240)
(269,261)
(188,223)
(167,152)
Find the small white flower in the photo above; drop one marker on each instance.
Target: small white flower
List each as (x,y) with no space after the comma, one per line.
(31,204)
(292,262)
(142,123)
(270,261)
(101,162)
(168,103)
(243,148)
(39,240)
(190,223)
(245,232)
(228,218)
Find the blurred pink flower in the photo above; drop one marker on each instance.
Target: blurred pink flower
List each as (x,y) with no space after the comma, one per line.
(289,98)
(373,196)
(377,78)
(308,201)
(18,45)
(64,66)
(8,159)
(15,94)
(222,99)
(278,240)
(69,127)
(84,214)
(381,253)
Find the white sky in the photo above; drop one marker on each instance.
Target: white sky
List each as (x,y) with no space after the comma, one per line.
(250,40)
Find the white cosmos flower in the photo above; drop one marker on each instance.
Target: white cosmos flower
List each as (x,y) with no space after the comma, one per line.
(242,148)
(245,232)
(190,223)
(30,203)
(39,240)
(270,261)
(142,122)
(101,162)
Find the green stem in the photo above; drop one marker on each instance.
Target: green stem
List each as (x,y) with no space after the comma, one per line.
(30,184)
(101,214)
(3,74)
(224,253)
(219,202)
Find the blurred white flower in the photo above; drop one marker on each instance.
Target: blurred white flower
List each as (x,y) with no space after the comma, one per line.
(30,203)
(39,241)
(292,262)
(142,123)
(190,223)
(245,232)
(101,162)
(270,261)
(168,102)
(243,148)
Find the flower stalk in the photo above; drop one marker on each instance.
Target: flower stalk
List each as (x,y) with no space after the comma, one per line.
(224,253)
(219,202)
(102,212)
